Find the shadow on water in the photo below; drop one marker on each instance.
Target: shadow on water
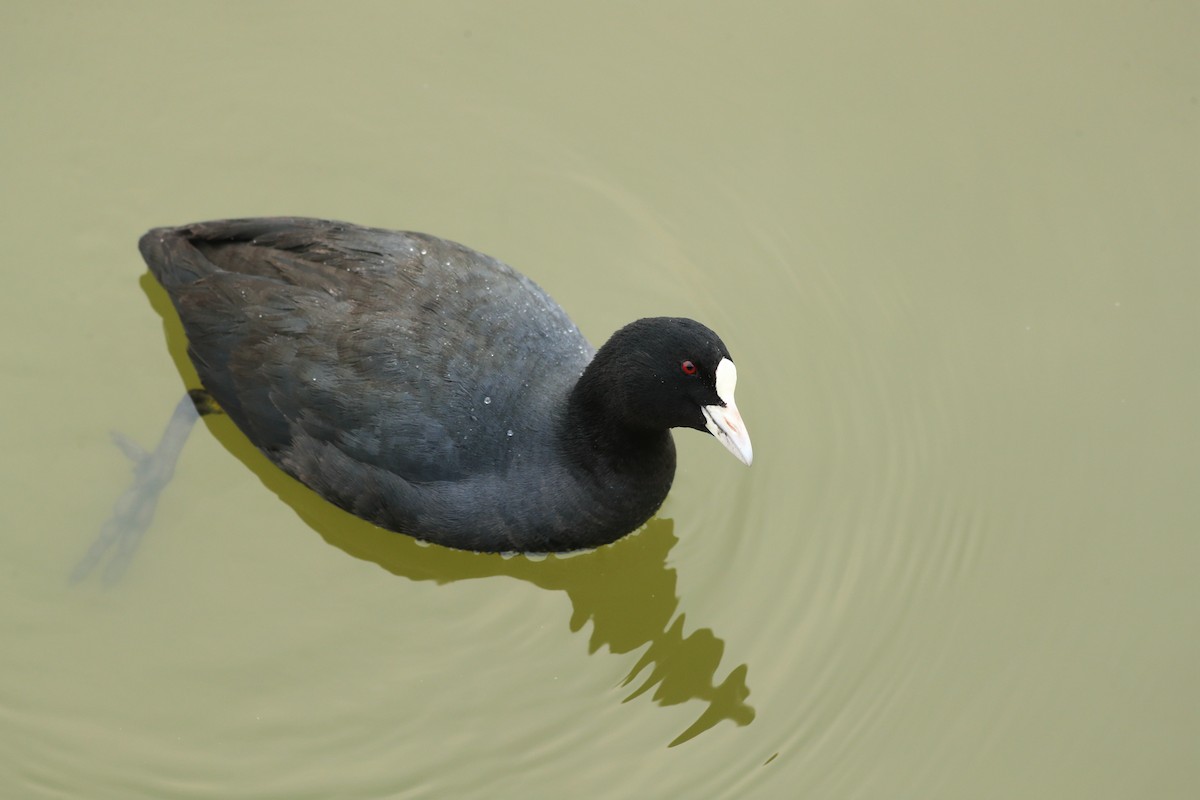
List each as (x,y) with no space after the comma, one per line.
(626,590)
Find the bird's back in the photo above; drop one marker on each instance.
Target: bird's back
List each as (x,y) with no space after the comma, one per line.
(399,352)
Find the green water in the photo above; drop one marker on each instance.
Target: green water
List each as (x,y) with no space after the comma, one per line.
(953,249)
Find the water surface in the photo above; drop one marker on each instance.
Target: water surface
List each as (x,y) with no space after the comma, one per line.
(952,249)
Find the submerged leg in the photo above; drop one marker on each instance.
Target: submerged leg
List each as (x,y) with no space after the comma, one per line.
(134,510)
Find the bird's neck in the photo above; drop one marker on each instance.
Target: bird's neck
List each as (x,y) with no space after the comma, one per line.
(602,434)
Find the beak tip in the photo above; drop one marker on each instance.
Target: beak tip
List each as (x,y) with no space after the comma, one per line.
(725,423)
(744,452)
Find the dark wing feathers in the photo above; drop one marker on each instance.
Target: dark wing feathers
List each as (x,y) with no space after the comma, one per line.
(314,334)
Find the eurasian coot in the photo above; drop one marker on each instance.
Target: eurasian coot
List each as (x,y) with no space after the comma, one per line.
(435,391)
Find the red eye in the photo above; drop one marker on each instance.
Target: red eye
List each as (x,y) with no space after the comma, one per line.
(688,368)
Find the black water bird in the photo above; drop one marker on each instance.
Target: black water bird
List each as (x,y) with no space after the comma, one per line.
(432,389)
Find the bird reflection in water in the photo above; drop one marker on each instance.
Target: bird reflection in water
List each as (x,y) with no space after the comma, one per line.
(625,589)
